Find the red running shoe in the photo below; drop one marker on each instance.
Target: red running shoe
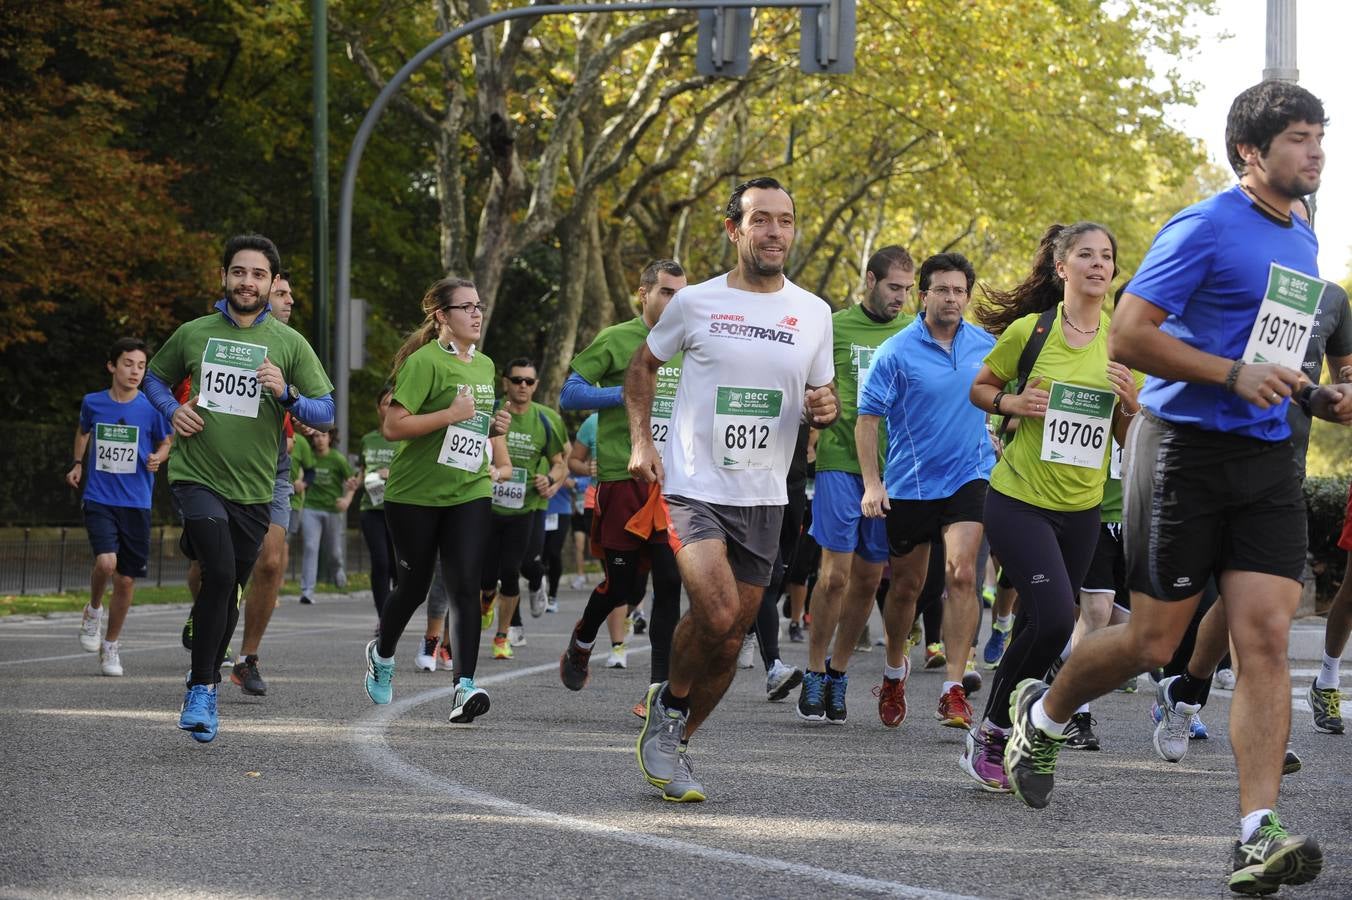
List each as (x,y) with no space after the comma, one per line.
(954,710)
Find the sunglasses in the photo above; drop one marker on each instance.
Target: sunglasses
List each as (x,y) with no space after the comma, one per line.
(521,379)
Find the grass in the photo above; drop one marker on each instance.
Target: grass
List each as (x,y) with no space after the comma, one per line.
(74,601)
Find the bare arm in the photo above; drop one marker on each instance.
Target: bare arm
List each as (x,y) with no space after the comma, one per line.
(77,458)
(156,459)
(874,502)
(401,425)
(580,461)
(640,382)
(501,467)
(820,406)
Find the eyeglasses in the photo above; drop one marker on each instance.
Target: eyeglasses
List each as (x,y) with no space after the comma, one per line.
(521,379)
(944,290)
(470,308)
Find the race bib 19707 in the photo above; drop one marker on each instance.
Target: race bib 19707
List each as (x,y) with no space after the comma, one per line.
(115,448)
(229,377)
(1285,322)
(1077,425)
(746,427)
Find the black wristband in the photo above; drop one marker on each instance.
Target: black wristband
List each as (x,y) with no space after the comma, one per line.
(999,395)
(1304,397)
(77,462)
(1234,375)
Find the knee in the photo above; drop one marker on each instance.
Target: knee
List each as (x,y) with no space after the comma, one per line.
(905,587)
(105,564)
(961,579)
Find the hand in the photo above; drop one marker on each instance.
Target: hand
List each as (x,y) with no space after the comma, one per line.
(1124,386)
(462,408)
(874,504)
(342,503)
(302,428)
(645,463)
(155,460)
(819,405)
(352,483)
(298,486)
(185,420)
(270,377)
(1032,403)
(541,483)
(1333,403)
(591,466)
(73,476)
(1266,385)
(384,474)
(501,424)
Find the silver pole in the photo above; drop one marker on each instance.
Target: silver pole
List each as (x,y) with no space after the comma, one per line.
(1281,41)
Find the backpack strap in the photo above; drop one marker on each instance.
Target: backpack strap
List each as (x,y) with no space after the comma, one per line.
(1029,356)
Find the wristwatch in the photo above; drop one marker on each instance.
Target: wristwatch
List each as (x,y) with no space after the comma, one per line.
(291,396)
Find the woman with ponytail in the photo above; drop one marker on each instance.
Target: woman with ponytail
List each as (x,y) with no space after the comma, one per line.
(1042,509)
(437,497)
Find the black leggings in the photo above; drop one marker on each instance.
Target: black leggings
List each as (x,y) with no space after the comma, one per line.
(224,537)
(504,552)
(459,534)
(383,574)
(1046,555)
(553,552)
(623,585)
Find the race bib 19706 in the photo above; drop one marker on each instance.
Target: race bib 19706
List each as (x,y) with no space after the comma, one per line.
(1077,425)
(115,448)
(463,446)
(746,427)
(229,377)
(1285,322)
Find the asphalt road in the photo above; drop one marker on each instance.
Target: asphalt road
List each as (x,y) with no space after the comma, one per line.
(312,791)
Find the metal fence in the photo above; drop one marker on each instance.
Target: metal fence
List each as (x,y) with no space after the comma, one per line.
(53,560)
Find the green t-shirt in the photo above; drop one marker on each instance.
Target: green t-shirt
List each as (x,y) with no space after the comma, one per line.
(331,470)
(1021,473)
(376,454)
(235,453)
(534,437)
(855,337)
(302,458)
(603,363)
(448,466)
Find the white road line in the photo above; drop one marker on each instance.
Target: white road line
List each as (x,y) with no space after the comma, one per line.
(273,637)
(369,734)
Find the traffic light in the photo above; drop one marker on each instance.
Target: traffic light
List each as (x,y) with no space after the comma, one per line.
(828,38)
(723,45)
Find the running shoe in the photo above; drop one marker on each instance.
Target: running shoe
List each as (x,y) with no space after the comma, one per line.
(110,663)
(198,714)
(1272,857)
(995,646)
(307,600)
(425,660)
(379,677)
(915,637)
(618,658)
(516,635)
(486,612)
(746,657)
(640,621)
(983,759)
(90,622)
(781,680)
(1030,754)
(468,702)
(573,664)
(444,658)
(539,599)
(988,595)
(1173,723)
(954,711)
(186,637)
(578,582)
(835,698)
(1326,704)
(659,740)
(640,708)
(1198,730)
(502,648)
(229,659)
(812,697)
(796,635)
(683,788)
(1224,679)
(865,642)
(971,679)
(1080,732)
(245,674)
(934,656)
(891,696)
(1291,763)
(1129,686)
(553,605)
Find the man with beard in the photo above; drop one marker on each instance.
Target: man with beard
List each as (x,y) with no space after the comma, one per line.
(248,370)
(757,363)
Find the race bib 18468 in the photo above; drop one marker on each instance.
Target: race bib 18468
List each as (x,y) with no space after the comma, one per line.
(1075,430)
(1281,333)
(463,446)
(115,448)
(511,494)
(229,378)
(746,427)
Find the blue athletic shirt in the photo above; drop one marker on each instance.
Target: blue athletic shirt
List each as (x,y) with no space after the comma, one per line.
(1208,269)
(937,440)
(562,502)
(131,489)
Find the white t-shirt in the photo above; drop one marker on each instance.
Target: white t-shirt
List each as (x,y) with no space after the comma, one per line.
(749,357)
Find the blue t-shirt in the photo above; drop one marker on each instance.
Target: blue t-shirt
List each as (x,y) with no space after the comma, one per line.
(561,503)
(937,439)
(1208,269)
(586,433)
(121,437)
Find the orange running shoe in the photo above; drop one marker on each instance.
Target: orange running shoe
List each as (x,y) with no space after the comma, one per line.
(891,696)
(954,710)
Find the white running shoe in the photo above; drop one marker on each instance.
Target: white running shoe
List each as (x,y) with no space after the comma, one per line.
(1225,679)
(746,657)
(579,582)
(109,662)
(539,599)
(553,605)
(89,628)
(1173,723)
(618,658)
(781,680)
(426,658)
(516,635)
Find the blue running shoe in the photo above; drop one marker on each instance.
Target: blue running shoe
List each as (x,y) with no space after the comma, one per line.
(468,703)
(198,715)
(995,646)
(835,698)
(1198,730)
(811,699)
(379,677)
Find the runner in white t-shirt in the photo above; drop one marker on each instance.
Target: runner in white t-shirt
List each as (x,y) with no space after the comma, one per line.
(757,363)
